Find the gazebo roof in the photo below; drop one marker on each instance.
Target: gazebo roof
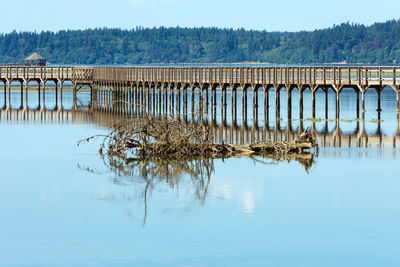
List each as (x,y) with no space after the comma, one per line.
(35,56)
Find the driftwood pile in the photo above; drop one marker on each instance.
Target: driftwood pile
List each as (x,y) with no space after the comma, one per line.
(152,138)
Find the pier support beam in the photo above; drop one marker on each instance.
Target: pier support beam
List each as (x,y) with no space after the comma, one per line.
(254,92)
(245,99)
(300,87)
(235,105)
(326,102)
(5,95)
(74,91)
(277,102)
(22,94)
(256,95)
(149,101)
(289,103)
(313,91)
(222,97)
(178,98)
(9,82)
(192,101)
(56,96)
(215,96)
(26,93)
(61,93)
(39,104)
(363,101)
(44,95)
(255,109)
(337,105)
(225,87)
(337,91)
(378,91)
(358,102)
(185,90)
(266,97)
(244,103)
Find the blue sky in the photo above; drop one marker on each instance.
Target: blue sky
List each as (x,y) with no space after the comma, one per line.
(287,15)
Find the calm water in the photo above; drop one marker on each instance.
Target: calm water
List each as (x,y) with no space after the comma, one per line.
(60,205)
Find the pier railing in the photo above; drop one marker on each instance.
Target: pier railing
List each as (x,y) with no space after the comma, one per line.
(363,76)
(61,73)
(30,73)
(293,75)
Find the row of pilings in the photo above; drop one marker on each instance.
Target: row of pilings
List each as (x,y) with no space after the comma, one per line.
(106,93)
(232,134)
(156,98)
(41,86)
(145,99)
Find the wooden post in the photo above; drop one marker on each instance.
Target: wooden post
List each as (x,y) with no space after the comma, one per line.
(56,83)
(186,101)
(277,103)
(337,104)
(289,104)
(155,99)
(9,94)
(326,102)
(245,105)
(225,101)
(22,94)
(44,95)
(313,101)
(256,94)
(5,94)
(145,100)
(358,103)
(362,100)
(234,91)
(300,103)
(253,97)
(173,99)
(75,96)
(159,99)
(192,102)
(266,106)
(222,97)
(149,98)
(61,93)
(26,93)
(378,90)
(92,98)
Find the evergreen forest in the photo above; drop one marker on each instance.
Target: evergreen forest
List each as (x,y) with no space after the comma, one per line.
(352,43)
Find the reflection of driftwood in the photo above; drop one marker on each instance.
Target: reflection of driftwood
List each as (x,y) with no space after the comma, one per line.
(306,159)
(153,151)
(145,139)
(153,172)
(162,171)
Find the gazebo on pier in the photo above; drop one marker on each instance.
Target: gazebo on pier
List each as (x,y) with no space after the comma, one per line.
(35,60)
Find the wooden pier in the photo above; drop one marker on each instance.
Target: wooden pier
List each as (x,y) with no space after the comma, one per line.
(156,86)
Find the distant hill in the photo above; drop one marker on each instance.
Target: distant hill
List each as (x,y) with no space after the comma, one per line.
(353,43)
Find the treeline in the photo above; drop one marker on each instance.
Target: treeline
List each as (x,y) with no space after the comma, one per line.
(353,43)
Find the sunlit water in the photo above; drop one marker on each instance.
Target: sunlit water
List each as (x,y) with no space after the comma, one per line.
(60,205)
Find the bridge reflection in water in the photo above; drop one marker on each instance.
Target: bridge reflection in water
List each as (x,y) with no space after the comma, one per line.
(194,177)
(232,133)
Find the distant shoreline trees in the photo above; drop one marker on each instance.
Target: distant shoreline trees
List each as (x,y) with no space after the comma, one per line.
(351,43)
